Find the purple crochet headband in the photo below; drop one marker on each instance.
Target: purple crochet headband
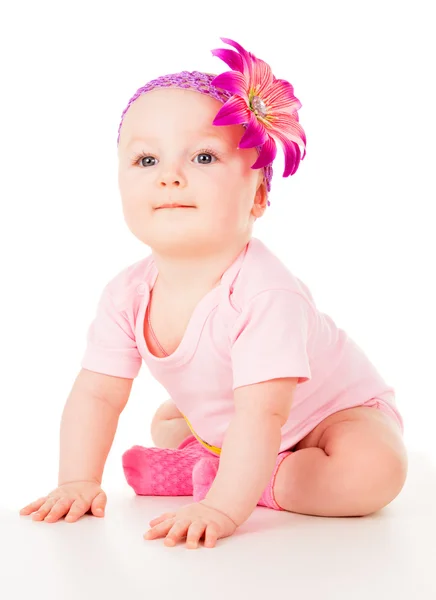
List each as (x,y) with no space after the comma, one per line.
(200,82)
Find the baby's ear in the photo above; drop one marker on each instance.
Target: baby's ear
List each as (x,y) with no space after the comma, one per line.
(260,199)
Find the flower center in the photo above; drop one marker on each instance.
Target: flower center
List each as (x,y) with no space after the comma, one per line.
(259,106)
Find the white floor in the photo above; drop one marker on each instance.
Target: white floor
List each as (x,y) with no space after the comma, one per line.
(388,555)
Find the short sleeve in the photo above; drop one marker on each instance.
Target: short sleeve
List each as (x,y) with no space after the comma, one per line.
(270,337)
(111,344)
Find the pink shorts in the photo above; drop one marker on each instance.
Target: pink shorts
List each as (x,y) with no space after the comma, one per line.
(386,403)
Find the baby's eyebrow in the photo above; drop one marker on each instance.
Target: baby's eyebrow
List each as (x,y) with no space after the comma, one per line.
(216,138)
(139,138)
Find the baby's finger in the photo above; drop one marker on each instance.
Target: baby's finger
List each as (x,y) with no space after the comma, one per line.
(163,517)
(211,535)
(45,509)
(177,532)
(99,504)
(61,507)
(78,508)
(33,506)
(159,530)
(195,533)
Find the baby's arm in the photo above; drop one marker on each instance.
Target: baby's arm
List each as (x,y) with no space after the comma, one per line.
(89,422)
(251,446)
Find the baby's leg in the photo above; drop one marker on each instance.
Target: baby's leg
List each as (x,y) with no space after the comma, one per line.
(168,428)
(353,466)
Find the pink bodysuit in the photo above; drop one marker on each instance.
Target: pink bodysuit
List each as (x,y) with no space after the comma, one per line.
(260,323)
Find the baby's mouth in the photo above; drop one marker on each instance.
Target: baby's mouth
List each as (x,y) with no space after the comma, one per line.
(174,206)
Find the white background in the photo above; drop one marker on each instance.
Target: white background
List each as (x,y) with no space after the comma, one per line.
(355,223)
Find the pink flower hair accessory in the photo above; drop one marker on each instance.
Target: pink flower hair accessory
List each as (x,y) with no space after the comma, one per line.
(265,104)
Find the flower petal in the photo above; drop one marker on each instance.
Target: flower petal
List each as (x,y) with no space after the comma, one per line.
(255,134)
(233,82)
(292,154)
(280,97)
(233,112)
(231,58)
(288,126)
(267,154)
(262,78)
(246,56)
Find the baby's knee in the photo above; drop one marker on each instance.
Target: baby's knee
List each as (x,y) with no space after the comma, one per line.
(167,410)
(168,427)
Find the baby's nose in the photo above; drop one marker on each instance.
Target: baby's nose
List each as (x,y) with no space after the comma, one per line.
(165,182)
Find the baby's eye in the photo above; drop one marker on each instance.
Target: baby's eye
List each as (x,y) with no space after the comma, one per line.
(145,161)
(204,158)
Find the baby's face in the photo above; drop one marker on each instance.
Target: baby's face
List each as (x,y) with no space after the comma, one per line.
(169,152)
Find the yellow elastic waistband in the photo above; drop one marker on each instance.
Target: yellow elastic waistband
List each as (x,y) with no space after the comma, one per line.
(213,449)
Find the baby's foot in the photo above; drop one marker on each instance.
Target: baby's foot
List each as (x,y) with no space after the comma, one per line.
(162,471)
(205,471)
(203,475)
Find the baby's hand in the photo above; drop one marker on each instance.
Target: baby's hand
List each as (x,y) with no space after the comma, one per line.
(72,499)
(193,522)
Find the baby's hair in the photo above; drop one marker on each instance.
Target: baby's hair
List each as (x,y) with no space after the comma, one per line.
(200,82)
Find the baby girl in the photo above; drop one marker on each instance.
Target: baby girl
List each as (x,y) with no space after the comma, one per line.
(271,403)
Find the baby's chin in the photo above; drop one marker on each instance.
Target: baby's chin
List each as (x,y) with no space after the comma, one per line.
(178,239)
